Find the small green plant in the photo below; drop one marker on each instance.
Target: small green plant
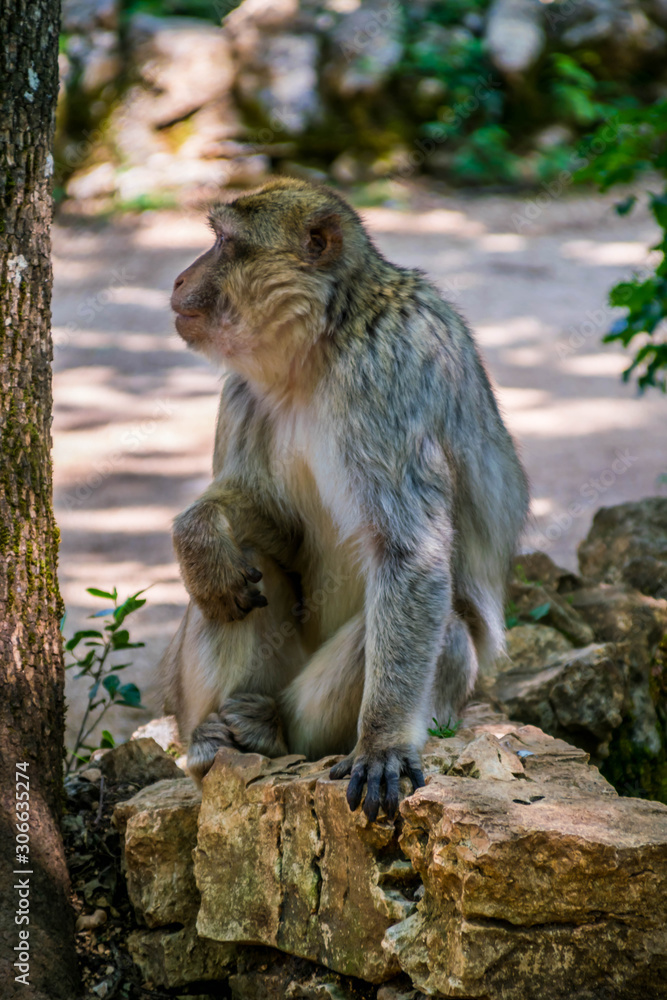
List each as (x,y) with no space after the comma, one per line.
(98,665)
(445,731)
(513,616)
(635,142)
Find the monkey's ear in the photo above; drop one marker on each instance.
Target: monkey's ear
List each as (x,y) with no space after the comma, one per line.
(324,239)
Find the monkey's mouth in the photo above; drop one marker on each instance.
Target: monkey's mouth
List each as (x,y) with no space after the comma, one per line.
(187,323)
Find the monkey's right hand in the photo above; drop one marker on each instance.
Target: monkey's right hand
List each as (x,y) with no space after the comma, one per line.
(380,769)
(216,572)
(233,601)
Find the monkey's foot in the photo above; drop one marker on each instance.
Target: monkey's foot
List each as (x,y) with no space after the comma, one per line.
(205,742)
(380,771)
(254,723)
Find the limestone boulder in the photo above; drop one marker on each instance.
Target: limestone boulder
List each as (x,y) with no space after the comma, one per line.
(175,957)
(580,694)
(516,872)
(530,647)
(281,861)
(534,891)
(541,603)
(628,544)
(515,35)
(158,827)
(138,762)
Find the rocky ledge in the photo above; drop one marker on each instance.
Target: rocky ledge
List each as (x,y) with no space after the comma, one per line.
(517,872)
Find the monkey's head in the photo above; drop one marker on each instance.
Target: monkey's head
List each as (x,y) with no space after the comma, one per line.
(261,297)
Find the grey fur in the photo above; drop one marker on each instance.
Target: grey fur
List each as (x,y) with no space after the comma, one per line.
(370,449)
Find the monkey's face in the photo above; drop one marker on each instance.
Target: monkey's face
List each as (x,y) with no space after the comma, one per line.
(258,298)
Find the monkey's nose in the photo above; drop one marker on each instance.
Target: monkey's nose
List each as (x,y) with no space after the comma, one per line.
(179,281)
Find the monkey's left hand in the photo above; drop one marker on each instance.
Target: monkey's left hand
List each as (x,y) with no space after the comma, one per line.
(380,771)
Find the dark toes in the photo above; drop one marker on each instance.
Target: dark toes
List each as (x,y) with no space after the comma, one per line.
(341,769)
(392,793)
(355,789)
(372,800)
(416,776)
(252,574)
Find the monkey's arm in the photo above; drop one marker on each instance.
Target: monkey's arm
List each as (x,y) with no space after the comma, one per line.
(404,485)
(214,539)
(408,592)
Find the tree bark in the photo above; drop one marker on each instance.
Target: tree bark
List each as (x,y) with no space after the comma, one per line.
(31,664)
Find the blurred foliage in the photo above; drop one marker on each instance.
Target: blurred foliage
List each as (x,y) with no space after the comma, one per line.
(97,664)
(635,142)
(207,10)
(488,124)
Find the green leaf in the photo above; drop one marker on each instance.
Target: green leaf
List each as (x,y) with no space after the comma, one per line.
(625,206)
(78,636)
(107,740)
(659,209)
(102,593)
(131,695)
(446,731)
(111,683)
(103,613)
(540,611)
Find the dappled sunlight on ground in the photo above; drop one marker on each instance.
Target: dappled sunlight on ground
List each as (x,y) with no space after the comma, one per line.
(135,411)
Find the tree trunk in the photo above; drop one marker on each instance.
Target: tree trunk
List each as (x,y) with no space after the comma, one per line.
(31,665)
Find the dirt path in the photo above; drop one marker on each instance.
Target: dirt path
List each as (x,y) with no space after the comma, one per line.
(134,411)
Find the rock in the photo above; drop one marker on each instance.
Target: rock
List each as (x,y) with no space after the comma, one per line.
(103,64)
(311,878)
(515,34)
(92,774)
(369,39)
(543,896)
(183,62)
(554,610)
(96,182)
(516,856)
(276,53)
(290,84)
(581,695)
(90,921)
(530,647)
(159,830)
(553,136)
(628,543)
(165,733)
(619,614)
(486,758)
(399,993)
(264,974)
(538,567)
(85,15)
(138,762)
(619,26)
(174,958)
(637,624)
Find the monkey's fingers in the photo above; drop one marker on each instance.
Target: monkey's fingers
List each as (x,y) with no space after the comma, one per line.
(252,573)
(248,599)
(342,768)
(416,776)
(374,780)
(355,789)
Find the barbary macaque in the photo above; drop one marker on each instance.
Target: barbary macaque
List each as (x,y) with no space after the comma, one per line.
(347,564)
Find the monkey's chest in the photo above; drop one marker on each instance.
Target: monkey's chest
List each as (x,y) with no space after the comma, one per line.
(314,487)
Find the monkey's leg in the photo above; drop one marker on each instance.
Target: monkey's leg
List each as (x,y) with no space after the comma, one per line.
(210,662)
(455,674)
(321,705)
